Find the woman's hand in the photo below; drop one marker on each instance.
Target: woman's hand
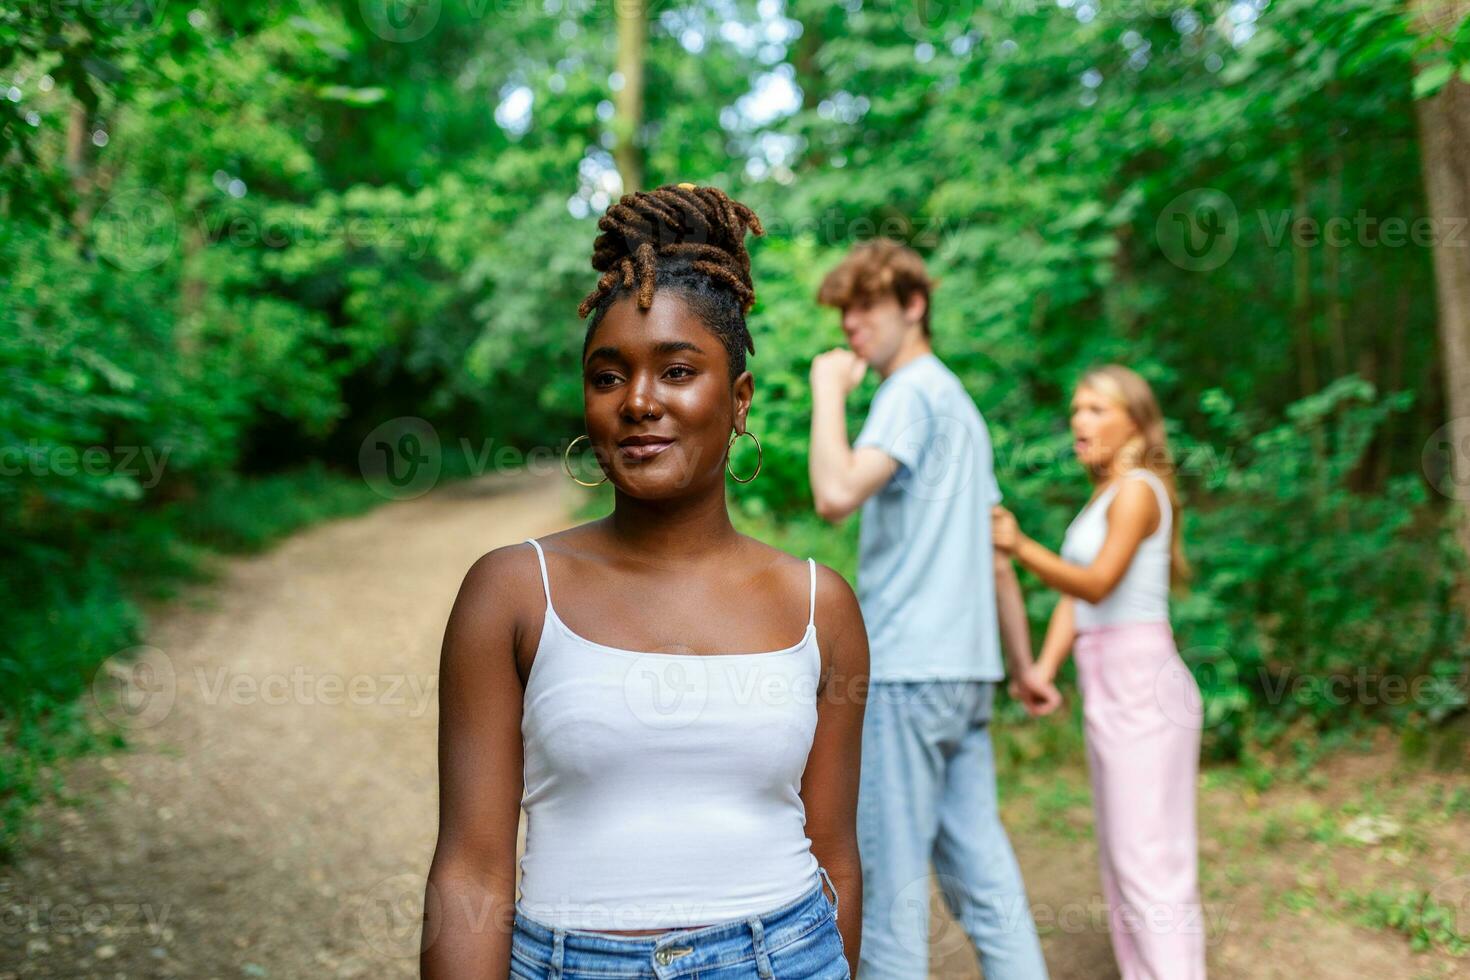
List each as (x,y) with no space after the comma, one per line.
(1005,533)
(1036,691)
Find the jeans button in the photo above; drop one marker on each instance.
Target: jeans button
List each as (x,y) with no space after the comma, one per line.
(665,956)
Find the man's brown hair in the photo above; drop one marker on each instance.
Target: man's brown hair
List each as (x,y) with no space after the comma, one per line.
(875,269)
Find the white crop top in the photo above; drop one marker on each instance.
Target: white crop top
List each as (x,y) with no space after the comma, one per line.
(1142,595)
(662,789)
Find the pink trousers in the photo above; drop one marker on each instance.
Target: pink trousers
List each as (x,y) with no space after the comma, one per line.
(1142,717)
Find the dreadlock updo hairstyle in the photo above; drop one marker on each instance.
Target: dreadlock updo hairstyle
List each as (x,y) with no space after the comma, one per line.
(684,238)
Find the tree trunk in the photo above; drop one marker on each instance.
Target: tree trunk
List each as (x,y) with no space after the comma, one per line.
(1332,272)
(632,16)
(804,57)
(1301,282)
(78,163)
(809,76)
(192,285)
(1444,134)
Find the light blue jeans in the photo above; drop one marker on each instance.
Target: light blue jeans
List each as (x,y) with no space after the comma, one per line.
(798,939)
(928,793)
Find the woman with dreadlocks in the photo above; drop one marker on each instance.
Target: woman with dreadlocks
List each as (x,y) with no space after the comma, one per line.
(689,773)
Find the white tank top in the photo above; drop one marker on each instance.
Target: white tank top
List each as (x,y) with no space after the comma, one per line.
(662,789)
(1142,595)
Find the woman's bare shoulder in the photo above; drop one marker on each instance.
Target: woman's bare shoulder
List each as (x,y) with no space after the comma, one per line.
(507,578)
(512,560)
(836,602)
(578,540)
(765,558)
(511,574)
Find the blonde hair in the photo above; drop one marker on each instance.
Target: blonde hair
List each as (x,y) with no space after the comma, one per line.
(1148,448)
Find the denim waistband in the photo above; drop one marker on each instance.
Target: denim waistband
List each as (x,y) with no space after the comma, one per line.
(679,951)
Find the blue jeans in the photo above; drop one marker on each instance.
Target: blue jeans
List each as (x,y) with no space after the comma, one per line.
(799,939)
(928,792)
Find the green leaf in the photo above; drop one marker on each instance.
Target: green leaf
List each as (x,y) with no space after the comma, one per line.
(352,96)
(1432,79)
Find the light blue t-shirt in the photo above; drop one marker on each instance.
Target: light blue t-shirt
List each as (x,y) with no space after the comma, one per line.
(926,575)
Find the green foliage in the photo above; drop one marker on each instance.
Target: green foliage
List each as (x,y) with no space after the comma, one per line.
(1333,615)
(60,617)
(1428,922)
(235,238)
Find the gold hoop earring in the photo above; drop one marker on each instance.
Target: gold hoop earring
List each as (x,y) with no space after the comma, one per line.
(759,456)
(566,462)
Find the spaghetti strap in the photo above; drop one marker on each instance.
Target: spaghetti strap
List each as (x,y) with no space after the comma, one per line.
(541,559)
(811,619)
(1161,494)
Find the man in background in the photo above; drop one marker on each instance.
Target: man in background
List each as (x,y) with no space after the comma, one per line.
(937,599)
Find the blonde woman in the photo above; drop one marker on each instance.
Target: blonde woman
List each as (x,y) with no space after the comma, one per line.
(1141,708)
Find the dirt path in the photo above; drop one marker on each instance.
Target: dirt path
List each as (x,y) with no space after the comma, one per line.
(278,817)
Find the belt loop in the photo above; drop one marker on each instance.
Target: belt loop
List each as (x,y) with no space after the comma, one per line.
(828,878)
(758,939)
(558,953)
